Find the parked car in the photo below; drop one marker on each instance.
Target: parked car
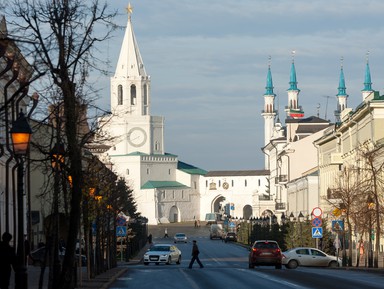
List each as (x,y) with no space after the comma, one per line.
(304,256)
(180,237)
(266,253)
(162,253)
(230,237)
(37,257)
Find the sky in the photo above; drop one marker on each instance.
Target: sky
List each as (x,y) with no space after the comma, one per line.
(208,63)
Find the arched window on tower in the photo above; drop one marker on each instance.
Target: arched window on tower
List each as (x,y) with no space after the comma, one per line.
(133,94)
(120,95)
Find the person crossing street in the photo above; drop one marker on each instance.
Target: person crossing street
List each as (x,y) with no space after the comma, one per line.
(195,255)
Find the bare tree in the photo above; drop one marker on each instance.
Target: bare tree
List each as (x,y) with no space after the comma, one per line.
(59,37)
(371,157)
(345,198)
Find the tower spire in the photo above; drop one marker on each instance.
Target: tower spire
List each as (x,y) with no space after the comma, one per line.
(367,91)
(293,109)
(269,86)
(341,95)
(130,63)
(292,79)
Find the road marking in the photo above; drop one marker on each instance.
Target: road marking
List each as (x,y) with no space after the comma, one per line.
(277,280)
(190,280)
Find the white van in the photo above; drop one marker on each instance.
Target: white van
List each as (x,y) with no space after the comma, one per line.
(216,231)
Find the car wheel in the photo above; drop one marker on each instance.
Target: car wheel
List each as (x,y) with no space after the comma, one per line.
(251,266)
(146,263)
(332,264)
(178,261)
(292,264)
(169,260)
(278,266)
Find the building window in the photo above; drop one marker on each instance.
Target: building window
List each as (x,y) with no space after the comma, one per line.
(195,185)
(147,171)
(127,171)
(245,183)
(120,95)
(206,184)
(145,94)
(233,183)
(133,94)
(219,183)
(259,182)
(169,171)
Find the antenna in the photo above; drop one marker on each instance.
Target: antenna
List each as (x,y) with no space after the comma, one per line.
(326,105)
(318,110)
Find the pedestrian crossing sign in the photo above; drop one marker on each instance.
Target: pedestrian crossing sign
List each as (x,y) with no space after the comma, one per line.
(317,232)
(121,231)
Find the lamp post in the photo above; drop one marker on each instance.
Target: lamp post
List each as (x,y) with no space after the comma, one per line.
(57,160)
(21,135)
(301,219)
(370,205)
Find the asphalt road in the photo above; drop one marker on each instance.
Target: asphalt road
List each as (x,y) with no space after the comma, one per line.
(226,266)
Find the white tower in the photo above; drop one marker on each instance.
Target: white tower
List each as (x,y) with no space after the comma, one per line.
(131,123)
(269,112)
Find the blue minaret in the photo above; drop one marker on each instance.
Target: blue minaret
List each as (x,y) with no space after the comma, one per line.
(269,112)
(341,95)
(367,91)
(293,109)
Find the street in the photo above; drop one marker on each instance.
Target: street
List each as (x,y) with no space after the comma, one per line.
(226,266)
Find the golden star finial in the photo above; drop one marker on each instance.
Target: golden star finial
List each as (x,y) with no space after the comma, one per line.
(129,10)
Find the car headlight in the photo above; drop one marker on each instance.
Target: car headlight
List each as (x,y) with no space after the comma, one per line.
(146,255)
(164,255)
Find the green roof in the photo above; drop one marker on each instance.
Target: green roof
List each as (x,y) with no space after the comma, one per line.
(192,170)
(164,185)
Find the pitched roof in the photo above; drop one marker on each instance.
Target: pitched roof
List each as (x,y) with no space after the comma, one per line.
(190,169)
(163,185)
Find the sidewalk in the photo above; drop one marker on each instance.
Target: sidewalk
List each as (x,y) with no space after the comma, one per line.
(101,281)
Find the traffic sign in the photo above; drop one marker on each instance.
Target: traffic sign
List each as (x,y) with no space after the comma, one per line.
(317,222)
(232,225)
(121,231)
(317,212)
(337,225)
(317,232)
(120,221)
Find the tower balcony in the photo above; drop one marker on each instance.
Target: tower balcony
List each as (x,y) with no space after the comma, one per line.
(280,207)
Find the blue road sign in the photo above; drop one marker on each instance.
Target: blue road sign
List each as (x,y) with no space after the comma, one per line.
(121,231)
(232,225)
(337,225)
(317,232)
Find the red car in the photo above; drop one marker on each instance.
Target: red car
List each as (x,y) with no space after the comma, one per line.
(265,253)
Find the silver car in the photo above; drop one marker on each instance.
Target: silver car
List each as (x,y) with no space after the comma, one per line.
(304,256)
(180,237)
(162,253)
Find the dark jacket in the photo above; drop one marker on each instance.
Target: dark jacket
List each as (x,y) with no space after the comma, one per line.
(195,250)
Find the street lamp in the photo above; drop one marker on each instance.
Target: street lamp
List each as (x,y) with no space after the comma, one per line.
(370,205)
(301,219)
(21,135)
